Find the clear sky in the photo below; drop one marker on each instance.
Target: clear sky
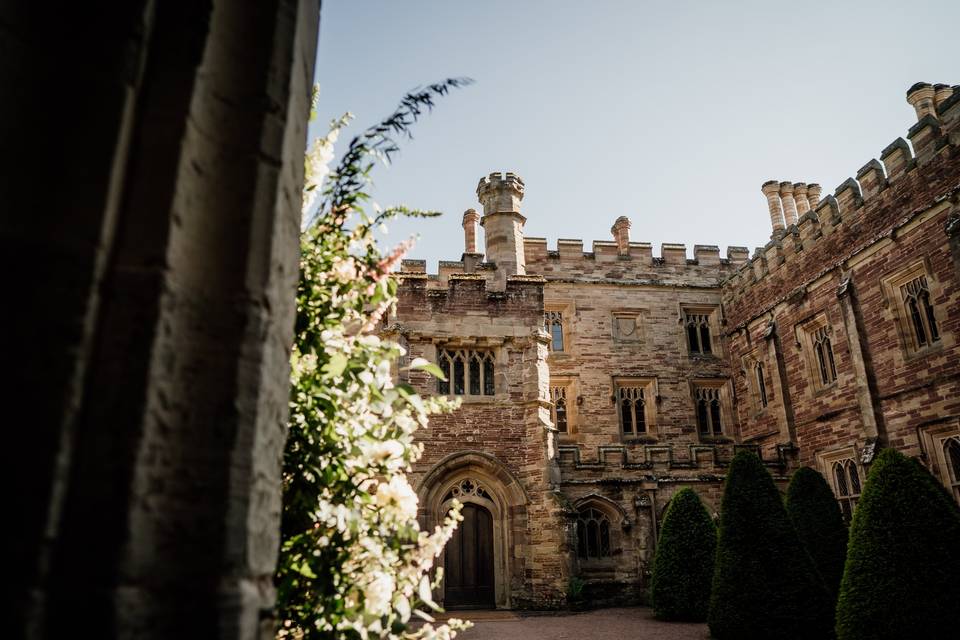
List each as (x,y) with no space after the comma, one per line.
(672,113)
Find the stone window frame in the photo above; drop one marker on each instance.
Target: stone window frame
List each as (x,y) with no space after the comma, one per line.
(618,526)
(570,387)
(806,334)
(714,320)
(759,390)
(639,316)
(725,398)
(892,286)
(839,463)
(567,309)
(934,439)
(487,353)
(651,398)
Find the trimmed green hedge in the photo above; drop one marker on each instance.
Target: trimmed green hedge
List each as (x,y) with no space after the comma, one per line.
(765,584)
(816,516)
(902,576)
(683,566)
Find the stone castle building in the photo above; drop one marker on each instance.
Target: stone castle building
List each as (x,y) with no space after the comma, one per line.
(597,383)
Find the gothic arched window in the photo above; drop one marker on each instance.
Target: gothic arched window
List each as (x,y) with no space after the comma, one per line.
(709,413)
(553,323)
(698,332)
(558,395)
(951,454)
(467,372)
(761,385)
(593,534)
(916,300)
(823,350)
(846,480)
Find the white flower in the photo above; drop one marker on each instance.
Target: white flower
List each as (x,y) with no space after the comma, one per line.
(383,451)
(398,491)
(378,593)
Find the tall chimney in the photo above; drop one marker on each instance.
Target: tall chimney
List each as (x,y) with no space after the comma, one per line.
(941,92)
(470,228)
(771,189)
(621,234)
(800,197)
(789,205)
(813,194)
(921,98)
(500,195)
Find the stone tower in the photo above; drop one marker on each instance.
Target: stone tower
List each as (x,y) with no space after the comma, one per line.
(500,195)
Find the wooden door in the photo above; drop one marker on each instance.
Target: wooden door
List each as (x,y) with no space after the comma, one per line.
(468,564)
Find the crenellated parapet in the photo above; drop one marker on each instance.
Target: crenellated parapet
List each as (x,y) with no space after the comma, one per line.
(626,260)
(908,178)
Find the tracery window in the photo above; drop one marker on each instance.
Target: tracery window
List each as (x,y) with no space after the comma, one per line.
(593,534)
(823,351)
(709,410)
(553,323)
(697,324)
(761,384)
(916,302)
(467,372)
(951,455)
(560,416)
(846,485)
(632,405)
(467,487)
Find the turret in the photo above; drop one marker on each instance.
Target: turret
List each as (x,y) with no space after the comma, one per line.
(500,195)
(621,235)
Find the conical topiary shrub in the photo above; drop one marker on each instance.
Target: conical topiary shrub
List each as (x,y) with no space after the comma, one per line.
(902,576)
(816,516)
(683,566)
(764,585)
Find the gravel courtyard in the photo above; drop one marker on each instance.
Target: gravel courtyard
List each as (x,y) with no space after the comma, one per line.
(612,624)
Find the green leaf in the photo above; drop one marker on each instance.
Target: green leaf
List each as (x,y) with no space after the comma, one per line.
(336,365)
(423,364)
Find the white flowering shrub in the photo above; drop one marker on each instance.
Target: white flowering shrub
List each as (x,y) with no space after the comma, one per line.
(353,560)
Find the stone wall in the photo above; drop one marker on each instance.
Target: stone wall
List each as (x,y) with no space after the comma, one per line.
(154,158)
(840,264)
(503,440)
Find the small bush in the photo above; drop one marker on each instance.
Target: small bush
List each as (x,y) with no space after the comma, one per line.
(765,585)
(683,566)
(903,561)
(816,516)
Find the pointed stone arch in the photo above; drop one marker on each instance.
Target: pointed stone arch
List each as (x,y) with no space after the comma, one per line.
(483,479)
(613,509)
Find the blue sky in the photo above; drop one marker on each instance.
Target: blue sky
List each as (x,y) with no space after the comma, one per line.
(671,113)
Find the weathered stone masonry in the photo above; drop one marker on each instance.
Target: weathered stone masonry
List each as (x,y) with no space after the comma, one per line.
(622,376)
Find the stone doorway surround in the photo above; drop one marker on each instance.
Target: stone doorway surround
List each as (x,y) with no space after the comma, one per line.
(495,489)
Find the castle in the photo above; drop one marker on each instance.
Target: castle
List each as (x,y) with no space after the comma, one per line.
(595,384)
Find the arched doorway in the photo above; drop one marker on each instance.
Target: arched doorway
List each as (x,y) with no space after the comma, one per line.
(468,564)
(478,479)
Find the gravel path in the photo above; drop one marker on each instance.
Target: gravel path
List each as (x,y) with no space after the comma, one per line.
(604,624)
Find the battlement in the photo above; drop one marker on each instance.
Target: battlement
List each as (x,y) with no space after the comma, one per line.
(629,259)
(884,195)
(500,193)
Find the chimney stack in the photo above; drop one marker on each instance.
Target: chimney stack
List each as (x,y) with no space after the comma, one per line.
(813,195)
(500,194)
(470,220)
(941,92)
(789,204)
(771,189)
(800,197)
(621,234)
(921,98)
